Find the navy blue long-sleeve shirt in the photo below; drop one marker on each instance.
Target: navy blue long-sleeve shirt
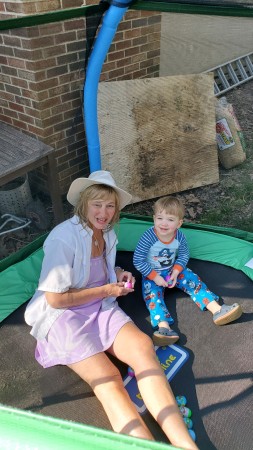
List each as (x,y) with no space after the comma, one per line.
(152,256)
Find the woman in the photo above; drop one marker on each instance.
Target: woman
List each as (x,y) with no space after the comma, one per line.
(76,319)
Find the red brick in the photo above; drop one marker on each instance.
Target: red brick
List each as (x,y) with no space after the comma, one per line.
(51,29)
(10,113)
(7,51)
(153,54)
(115,56)
(25,118)
(45,5)
(156,18)
(12,89)
(140,22)
(140,41)
(42,42)
(7,96)
(109,66)
(139,74)
(19,82)
(19,124)
(131,34)
(19,63)
(132,14)
(124,62)
(132,68)
(65,37)
(16,107)
(27,54)
(12,71)
(132,51)
(69,3)
(3,60)
(55,50)
(33,112)
(116,73)
(5,119)
(26,75)
(74,24)
(43,85)
(22,100)
(39,96)
(56,71)
(5,78)
(12,41)
(58,90)
(42,64)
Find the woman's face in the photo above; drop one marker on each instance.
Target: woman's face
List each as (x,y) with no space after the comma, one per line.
(100,212)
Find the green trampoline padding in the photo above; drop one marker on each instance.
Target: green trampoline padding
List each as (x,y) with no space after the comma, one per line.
(19,280)
(22,430)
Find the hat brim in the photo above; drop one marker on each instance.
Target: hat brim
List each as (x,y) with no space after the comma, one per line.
(80,184)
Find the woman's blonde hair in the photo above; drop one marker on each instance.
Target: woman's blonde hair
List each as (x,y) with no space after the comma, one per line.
(171,205)
(96,192)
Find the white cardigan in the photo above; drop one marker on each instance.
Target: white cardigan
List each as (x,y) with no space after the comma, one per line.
(66,264)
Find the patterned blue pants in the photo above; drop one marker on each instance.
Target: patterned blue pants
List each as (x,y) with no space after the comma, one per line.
(188,282)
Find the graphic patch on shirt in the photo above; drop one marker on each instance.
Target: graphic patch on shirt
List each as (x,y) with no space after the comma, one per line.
(161,257)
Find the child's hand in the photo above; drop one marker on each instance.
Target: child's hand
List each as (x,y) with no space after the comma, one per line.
(173,278)
(160,281)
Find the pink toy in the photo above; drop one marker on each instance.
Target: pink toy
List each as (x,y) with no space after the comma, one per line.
(168,279)
(128,284)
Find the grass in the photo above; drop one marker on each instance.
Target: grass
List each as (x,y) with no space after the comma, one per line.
(234,206)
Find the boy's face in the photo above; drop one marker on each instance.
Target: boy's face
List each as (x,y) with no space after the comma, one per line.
(166,224)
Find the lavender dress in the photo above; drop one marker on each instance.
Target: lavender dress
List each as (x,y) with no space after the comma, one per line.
(82,331)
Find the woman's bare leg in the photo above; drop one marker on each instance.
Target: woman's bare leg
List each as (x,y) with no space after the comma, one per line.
(105,380)
(136,349)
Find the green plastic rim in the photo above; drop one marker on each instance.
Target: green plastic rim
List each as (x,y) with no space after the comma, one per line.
(20,272)
(25,430)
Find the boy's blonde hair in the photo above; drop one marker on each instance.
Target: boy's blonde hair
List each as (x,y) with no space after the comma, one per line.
(96,192)
(171,205)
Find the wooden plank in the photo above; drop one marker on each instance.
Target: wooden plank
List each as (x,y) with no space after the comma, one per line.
(20,154)
(19,150)
(158,135)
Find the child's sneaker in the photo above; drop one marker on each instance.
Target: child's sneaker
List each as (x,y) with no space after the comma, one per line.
(227,314)
(163,336)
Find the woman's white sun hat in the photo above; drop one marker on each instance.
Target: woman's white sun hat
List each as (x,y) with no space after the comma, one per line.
(98,177)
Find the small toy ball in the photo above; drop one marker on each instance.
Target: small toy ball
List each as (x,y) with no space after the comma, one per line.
(186,412)
(130,372)
(188,422)
(181,400)
(128,284)
(193,435)
(168,279)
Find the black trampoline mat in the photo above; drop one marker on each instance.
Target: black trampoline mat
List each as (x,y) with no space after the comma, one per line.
(216,379)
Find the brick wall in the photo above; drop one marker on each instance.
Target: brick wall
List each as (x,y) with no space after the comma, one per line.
(42,73)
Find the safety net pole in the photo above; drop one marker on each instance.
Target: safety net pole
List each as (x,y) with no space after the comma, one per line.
(102,44)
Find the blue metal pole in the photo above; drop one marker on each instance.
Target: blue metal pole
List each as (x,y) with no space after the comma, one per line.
(104,39)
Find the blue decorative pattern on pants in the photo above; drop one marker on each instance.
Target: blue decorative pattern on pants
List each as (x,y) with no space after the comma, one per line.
(188,282)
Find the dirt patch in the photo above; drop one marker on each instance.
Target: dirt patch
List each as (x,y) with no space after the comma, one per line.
(199,202)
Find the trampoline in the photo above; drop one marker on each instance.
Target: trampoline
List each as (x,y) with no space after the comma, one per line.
(216,378)
(62,412)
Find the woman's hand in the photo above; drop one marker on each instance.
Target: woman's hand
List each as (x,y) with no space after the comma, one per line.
(123,275)
(117,289)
